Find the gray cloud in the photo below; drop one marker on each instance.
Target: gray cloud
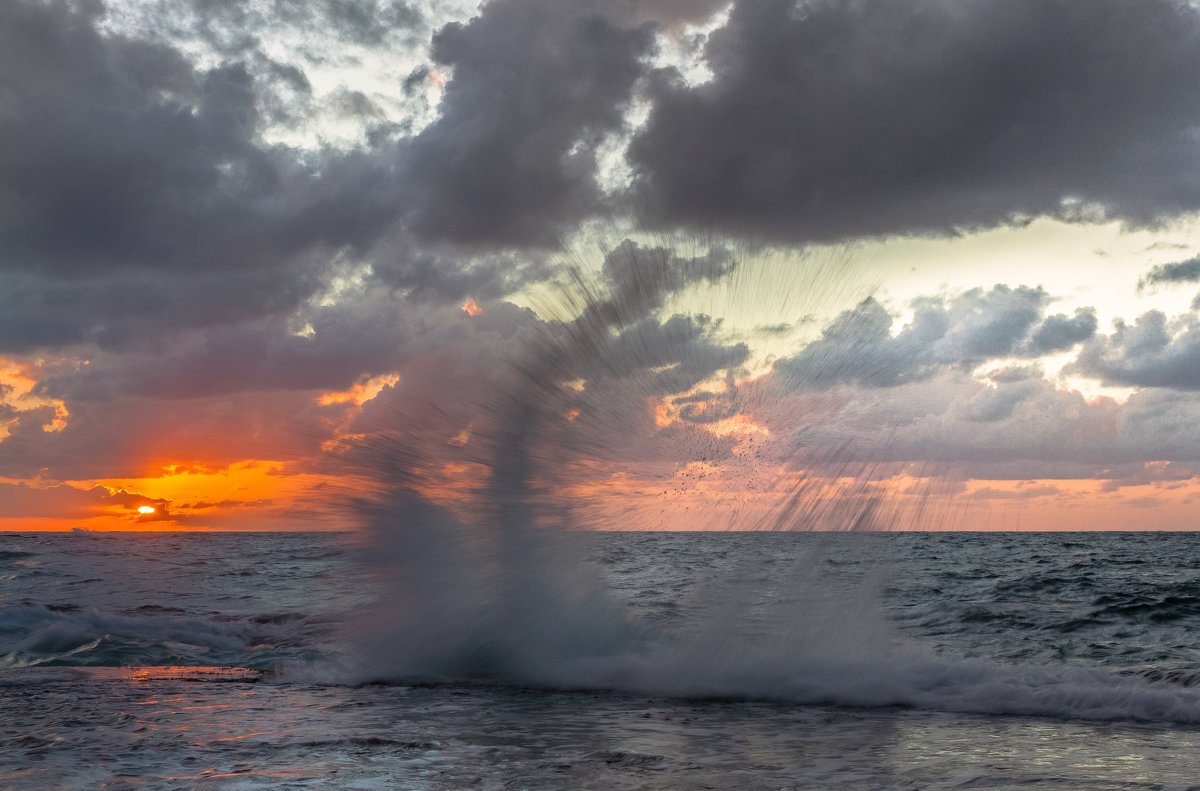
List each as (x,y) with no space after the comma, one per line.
(828,119)
(535,87)
(1179,272)
(678,353)
(638,279)
(678,13)
(857,348)
(580,384)
(1151,352)
(985,323)
(1013,431)
(963,331)
(118,153)
(131,310)
(1157,474)
(1058,332)
(441,273)
(1016,373)
(860,396)
(324,347)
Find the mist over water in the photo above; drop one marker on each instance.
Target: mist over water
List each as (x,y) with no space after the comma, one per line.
(494,588)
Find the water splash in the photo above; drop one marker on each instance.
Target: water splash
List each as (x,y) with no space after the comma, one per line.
(482,583)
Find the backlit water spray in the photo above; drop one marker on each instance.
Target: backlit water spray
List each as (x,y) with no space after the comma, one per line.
(486,583)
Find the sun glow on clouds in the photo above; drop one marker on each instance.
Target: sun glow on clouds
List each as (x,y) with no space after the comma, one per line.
(18,382)
(249,495)
(360,393)
(702,496)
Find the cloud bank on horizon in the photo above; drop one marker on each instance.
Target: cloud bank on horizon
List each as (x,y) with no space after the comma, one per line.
(251,251)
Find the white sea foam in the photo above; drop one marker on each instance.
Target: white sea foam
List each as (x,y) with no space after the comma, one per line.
(811,650)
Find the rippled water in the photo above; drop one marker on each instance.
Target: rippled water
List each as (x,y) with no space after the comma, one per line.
(757,661)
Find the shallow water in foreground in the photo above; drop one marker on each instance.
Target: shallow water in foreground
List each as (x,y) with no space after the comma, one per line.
(113,730)
(1051,661)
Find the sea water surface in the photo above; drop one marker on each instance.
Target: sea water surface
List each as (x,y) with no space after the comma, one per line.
(747,660)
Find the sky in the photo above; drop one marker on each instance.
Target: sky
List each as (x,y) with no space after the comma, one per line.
(818,264)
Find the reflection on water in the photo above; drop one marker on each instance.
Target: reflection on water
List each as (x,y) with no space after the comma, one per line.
(167,728)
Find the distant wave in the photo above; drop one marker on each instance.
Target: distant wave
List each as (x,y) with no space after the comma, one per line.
(7,555)
(36,634)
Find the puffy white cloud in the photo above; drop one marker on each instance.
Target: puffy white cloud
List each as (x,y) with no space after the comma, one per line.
(962,331)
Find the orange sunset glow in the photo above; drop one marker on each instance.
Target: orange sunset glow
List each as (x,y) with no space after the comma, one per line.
(243,309)
(747,490)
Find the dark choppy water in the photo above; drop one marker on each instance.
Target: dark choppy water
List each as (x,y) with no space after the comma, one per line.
(747,660)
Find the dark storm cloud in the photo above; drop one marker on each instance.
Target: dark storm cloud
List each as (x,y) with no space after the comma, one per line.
(677,13)
(357,337)
(964,331)
(623,349)
(625,373)
(535,87)
(117,152)
(216,283)
(1179,272)
(829,119)
(128,311)
(1151,352)
(441,273)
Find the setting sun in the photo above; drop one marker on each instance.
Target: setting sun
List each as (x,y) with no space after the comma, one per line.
(146,509)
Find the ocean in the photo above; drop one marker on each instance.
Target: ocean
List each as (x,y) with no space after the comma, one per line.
(600,661)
